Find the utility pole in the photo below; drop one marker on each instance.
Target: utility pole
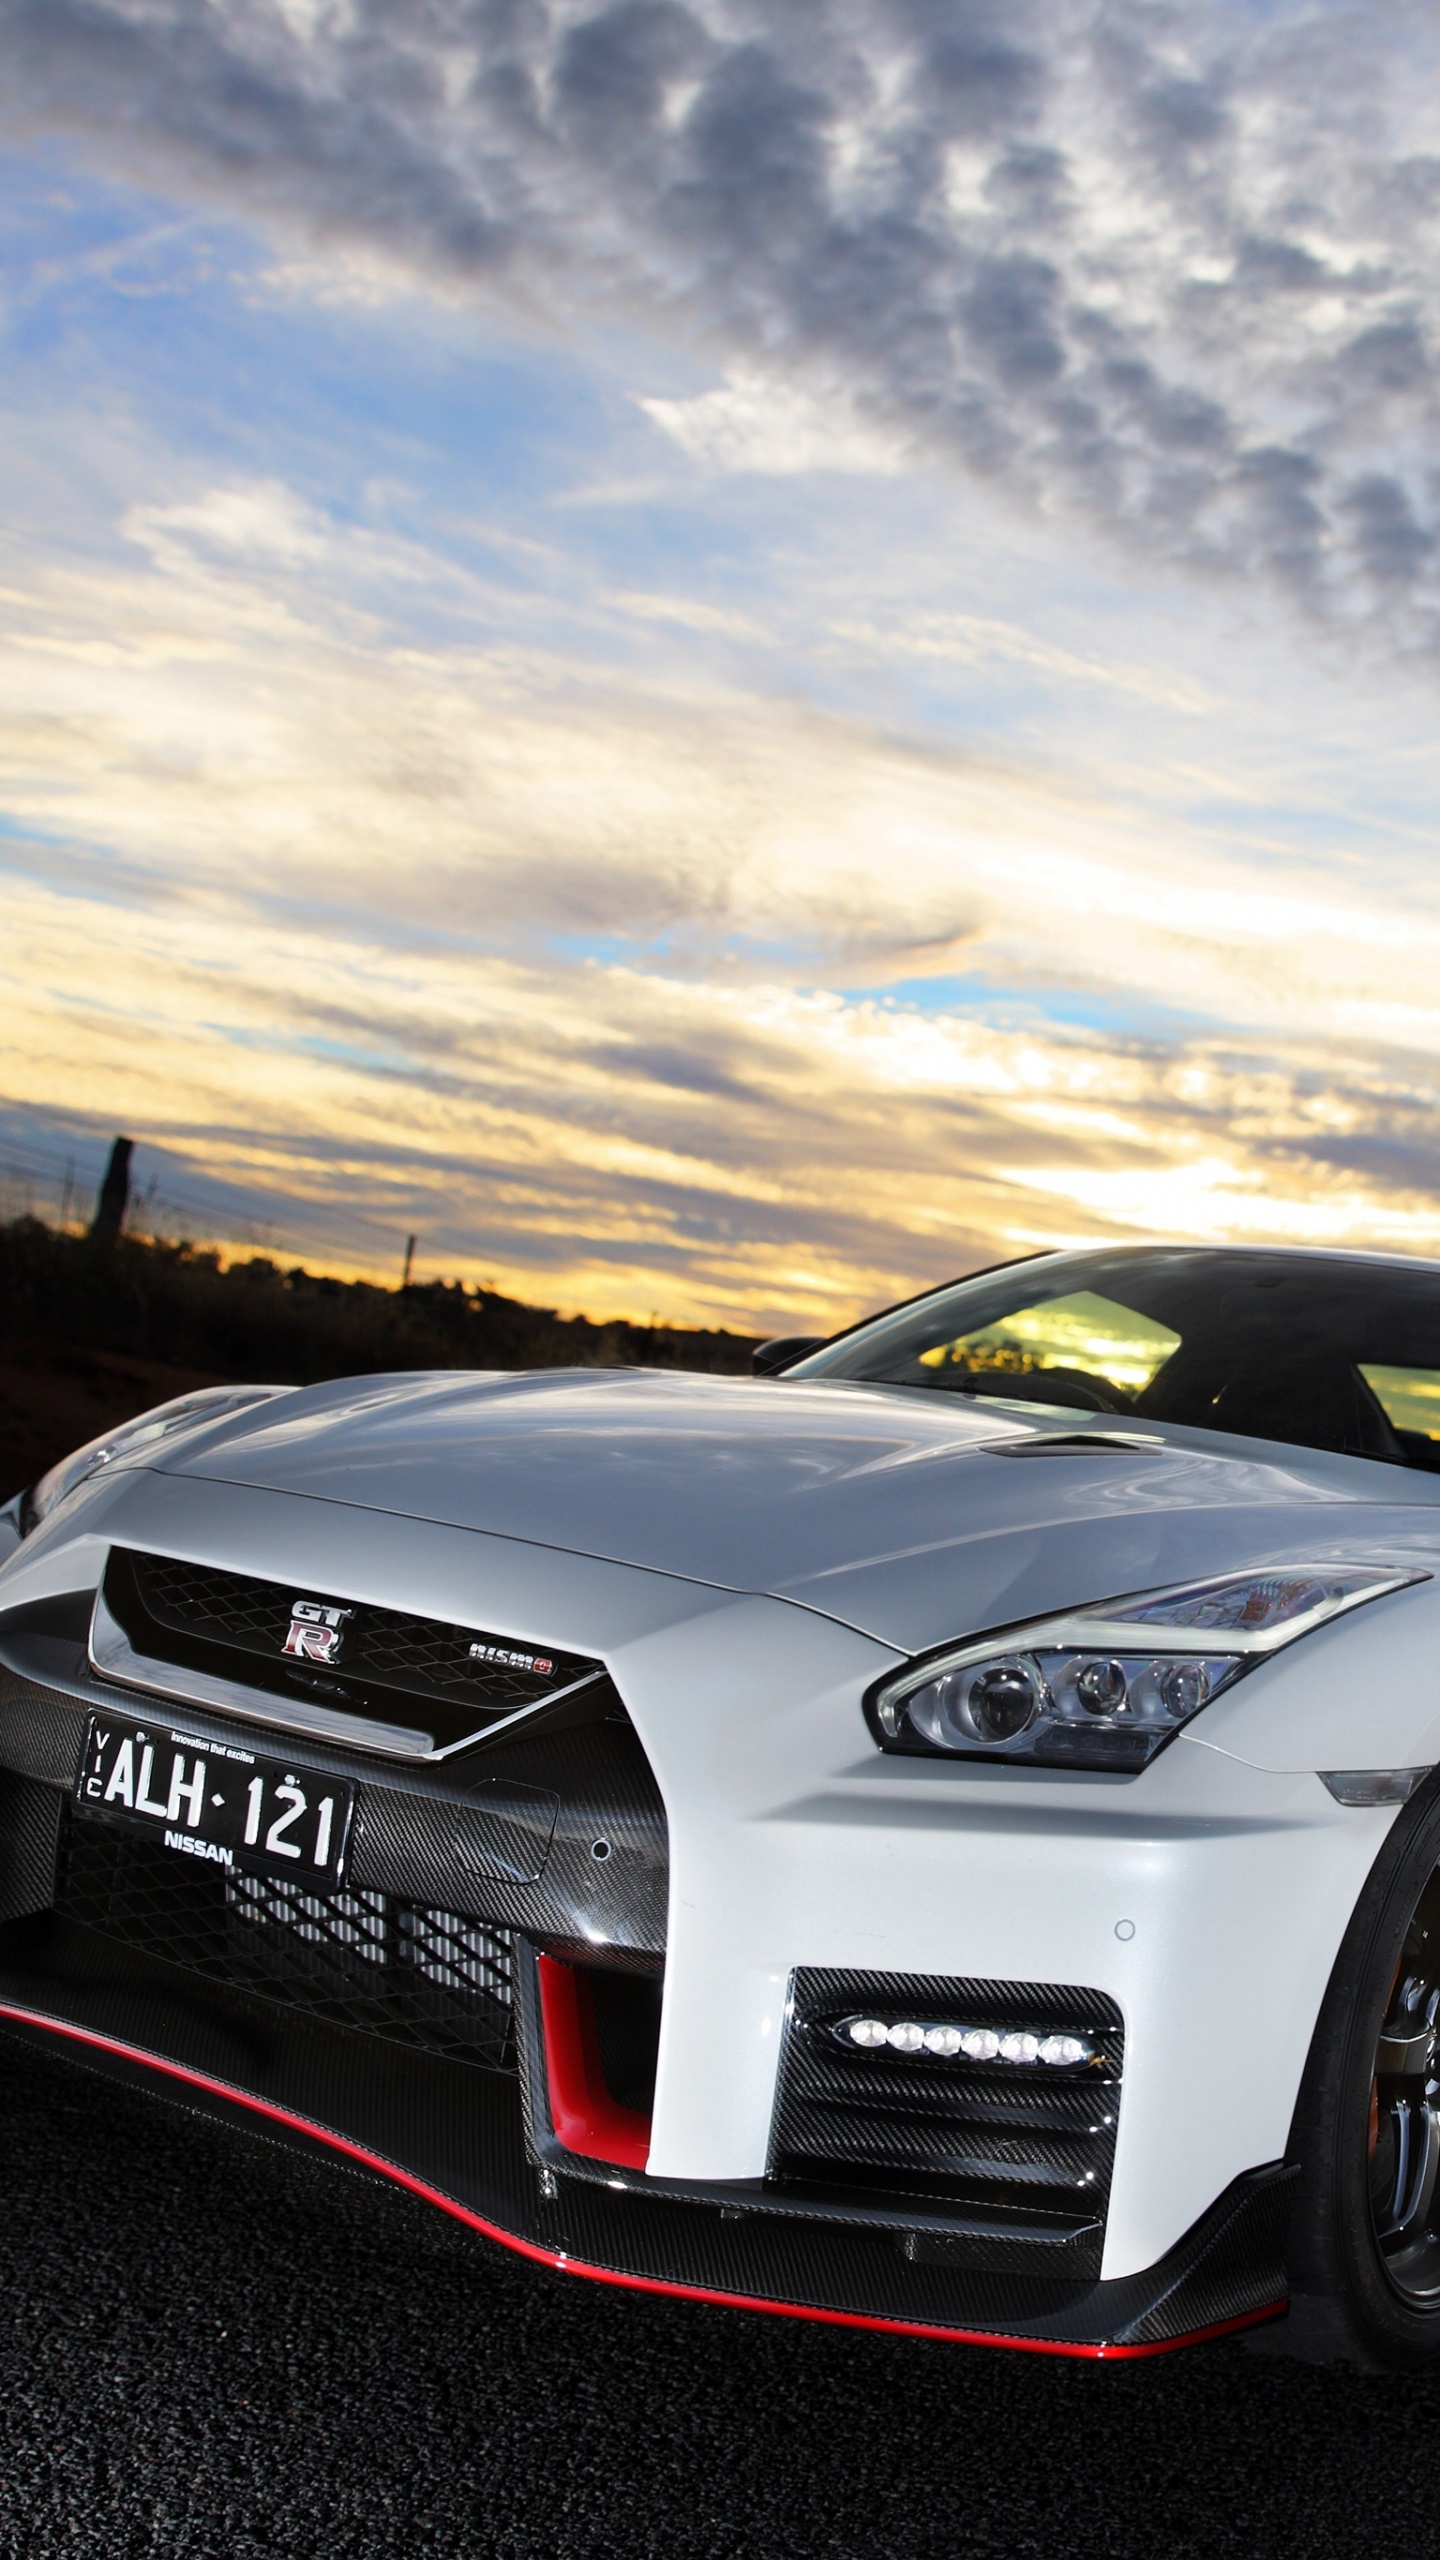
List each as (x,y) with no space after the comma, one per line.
(410,1244)
(114,1197)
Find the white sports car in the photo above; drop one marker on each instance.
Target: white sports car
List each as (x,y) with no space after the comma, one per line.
(941,1836)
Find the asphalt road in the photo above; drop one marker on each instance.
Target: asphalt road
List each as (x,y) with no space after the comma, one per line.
(213,2348)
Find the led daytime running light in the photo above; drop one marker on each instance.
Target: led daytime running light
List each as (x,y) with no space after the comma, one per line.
(952,2043)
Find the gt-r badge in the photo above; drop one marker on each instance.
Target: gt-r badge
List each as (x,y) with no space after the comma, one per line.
(315,1630)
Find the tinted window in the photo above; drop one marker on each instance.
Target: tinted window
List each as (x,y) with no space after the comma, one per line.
(1324,1354)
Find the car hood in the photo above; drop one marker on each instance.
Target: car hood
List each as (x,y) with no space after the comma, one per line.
(908,1514)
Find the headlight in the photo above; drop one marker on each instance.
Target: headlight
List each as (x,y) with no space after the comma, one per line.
(1096,1689)
(182,1413)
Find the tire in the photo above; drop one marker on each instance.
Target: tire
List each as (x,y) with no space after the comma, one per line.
(1364,2252)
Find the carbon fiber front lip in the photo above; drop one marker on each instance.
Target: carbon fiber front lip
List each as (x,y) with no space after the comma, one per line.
(457,2136)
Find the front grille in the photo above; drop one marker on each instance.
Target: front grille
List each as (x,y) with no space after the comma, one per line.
(364,1659)
(947,2131)
(413,1973)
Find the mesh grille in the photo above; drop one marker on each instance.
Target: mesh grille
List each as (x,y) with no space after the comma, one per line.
(461,1955)
(420,1976)
(209,1603)
(159,1599)
(1018,2135)
(356,1922)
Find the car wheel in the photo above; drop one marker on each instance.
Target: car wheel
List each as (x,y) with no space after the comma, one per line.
(1364,2256)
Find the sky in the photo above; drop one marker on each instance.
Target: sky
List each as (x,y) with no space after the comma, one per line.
(725,658)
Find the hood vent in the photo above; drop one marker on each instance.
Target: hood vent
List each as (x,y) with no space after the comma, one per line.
(1075,1444)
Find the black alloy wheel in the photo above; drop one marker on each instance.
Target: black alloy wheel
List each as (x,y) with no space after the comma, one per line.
(1405,2115)
(1364,2257)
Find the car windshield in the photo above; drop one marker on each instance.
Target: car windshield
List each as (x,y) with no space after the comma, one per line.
(1323,1353)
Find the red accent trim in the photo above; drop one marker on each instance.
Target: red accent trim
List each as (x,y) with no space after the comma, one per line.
(585,2116)
(1100,2351)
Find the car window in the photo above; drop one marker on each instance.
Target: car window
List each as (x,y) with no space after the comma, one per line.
(1315,1350)
(1408,1398)
(1082,1334)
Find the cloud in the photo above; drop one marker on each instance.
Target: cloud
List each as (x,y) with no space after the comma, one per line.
(1169,272)
(588,974)
(254,520)
(246,700)
(758,422)
(970,639)
(621,1140)
(233,704)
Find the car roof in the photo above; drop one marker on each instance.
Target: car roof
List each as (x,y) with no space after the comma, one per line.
(1187,1244)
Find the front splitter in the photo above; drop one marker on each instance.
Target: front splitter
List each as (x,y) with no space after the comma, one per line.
(452,2134)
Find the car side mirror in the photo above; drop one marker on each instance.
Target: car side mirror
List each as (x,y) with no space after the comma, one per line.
(769,1358)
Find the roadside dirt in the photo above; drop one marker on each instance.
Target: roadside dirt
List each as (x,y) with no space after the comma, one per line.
(51,1401)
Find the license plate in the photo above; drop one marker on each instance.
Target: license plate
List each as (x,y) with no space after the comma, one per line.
(215,1802)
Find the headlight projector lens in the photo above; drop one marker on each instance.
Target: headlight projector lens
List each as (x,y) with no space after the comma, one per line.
(1102,1687)
(1003,1701)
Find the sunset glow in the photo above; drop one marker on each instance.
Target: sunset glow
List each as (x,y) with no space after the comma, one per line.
(557,754)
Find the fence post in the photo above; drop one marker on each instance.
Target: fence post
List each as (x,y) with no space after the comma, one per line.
(114,1197)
